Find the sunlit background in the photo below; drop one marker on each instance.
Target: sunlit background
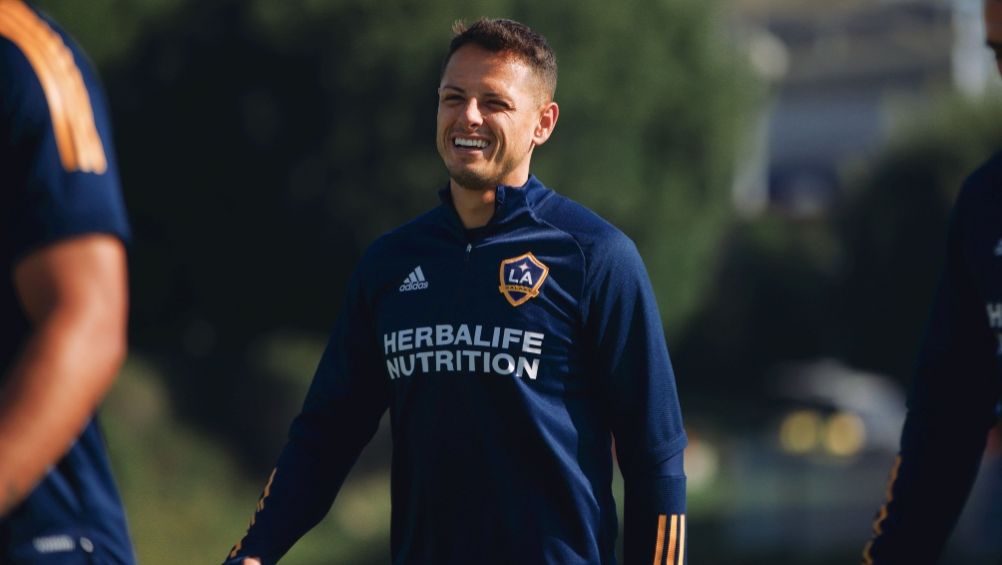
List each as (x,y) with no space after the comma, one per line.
(785,166)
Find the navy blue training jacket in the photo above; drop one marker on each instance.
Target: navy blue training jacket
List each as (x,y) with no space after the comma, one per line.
(953,399)
(509,356)
(58,179)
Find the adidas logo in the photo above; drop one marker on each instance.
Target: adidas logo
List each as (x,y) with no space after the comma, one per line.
(414,281)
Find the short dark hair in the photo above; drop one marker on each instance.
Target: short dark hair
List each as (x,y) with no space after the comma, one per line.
(499,35)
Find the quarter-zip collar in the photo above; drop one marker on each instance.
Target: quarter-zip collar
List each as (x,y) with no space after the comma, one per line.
(511,203)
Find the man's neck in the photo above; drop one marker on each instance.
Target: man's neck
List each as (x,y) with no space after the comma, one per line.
(475,207)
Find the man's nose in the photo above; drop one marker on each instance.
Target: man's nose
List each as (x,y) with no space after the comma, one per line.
(472,114)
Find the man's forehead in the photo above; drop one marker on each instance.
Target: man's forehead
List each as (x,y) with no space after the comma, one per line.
(472,66)
(472,56)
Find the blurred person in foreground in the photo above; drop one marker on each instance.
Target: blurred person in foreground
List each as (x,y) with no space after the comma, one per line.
(512,333)
(63,299)
(954,397)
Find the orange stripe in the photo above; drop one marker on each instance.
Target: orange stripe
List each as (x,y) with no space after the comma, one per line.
(260,507)
(681,539)
(878,523)
(672,538)
(236,548)
(84,139)
(36,48)
(72,115)
(888,496)
(660,547)
(867,557)
(80,146)
(267,487)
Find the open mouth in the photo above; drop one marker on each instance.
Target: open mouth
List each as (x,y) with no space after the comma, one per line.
(469,143)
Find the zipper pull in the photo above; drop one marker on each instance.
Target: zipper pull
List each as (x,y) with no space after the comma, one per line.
(469,247)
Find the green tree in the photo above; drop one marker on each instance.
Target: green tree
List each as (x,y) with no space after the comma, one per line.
(856,284)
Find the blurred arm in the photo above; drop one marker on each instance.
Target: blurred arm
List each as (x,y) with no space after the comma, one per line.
(951,408)
(75,295)
(346,400)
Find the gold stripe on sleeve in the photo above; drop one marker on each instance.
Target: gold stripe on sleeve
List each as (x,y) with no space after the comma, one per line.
(659,548)
(79,145)
(260,506)
(878,523)
(681,539)
(672,538)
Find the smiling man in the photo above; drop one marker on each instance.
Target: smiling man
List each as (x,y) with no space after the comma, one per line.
(512,334)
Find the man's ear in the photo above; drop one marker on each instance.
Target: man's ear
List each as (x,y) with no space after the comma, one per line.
(547,121)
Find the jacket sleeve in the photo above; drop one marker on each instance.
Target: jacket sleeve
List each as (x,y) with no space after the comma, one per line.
(58,173)
(345,402)
(951,407)
(637,380)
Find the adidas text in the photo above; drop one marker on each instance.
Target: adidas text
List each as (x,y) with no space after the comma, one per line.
(414,281)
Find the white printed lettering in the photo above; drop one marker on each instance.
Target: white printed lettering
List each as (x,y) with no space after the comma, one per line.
(533,343)
(995,314)
(471,357)
(529,368)
(511,336)
(463,335)
(443,359)
(508,362)
(422,337)
(407,371)
(492,357)
(424,356)
(477,331)
(404,339)
(393,367)
(443,335)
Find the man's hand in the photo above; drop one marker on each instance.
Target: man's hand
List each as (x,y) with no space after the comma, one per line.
(75,295)
(251,561)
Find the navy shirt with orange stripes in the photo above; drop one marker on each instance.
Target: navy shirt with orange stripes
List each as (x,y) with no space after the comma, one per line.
(953,400)
(57,179)
(511,358)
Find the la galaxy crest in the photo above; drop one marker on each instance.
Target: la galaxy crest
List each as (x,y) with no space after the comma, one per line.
(521,278)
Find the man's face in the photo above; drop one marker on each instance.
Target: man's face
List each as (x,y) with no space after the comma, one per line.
(993,29)
(491,113)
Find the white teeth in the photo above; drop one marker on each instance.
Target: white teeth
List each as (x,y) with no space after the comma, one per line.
(479,143)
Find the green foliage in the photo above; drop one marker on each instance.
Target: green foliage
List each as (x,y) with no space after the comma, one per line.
(893,227)
(263,145)
(108,29)
(855,285)
(188,500)
(651,108)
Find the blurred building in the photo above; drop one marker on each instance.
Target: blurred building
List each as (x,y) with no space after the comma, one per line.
(841,73)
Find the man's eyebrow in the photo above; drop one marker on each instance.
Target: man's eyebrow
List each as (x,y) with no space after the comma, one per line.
(489,95)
